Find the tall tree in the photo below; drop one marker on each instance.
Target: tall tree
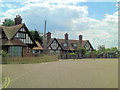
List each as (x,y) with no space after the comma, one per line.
(36,36)
(8,22)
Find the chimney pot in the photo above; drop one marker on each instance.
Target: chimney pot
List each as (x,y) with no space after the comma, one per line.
(66,36)
(48,35)
(80,38)
(18,20)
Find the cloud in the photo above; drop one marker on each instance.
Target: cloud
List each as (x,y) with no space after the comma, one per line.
(7,5)
(58,2)
(65,17)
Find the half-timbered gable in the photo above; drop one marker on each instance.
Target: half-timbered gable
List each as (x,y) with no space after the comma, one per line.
(17,40)
(24,35)
(88,46)
(54,47)
(38,49)
(67,45)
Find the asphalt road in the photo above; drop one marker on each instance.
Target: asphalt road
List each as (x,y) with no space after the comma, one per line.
(63,74)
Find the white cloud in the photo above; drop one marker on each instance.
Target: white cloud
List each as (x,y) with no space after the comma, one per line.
(59,2)
(65,17)
(7,5)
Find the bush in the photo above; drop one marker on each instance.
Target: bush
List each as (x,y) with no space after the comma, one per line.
(4,54)
(81,51)
(87,54)
(72,55)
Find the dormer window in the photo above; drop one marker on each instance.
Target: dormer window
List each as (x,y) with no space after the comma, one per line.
(64,44)
(74,44)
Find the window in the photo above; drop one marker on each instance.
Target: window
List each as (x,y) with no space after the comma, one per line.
(51,52)
(57,52)
(36,51)
(64,44)
(22,30)
(20,35)
(54,45)
(74,44)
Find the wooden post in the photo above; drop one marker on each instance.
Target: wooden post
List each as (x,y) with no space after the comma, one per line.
(45,42)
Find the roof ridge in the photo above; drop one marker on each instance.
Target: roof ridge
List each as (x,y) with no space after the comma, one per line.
(12,25)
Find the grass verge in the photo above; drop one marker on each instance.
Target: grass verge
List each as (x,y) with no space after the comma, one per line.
(28,60)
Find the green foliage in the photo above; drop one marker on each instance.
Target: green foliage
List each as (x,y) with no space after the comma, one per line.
(97,52)
(72,55)
(111,50)
(8,22)
(106,51)
(4,54)
(87,54)
(36,36)
(27,60)
(114,49)
(81,51)
(101,48)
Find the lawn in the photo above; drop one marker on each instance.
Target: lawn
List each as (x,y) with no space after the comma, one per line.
(28,60)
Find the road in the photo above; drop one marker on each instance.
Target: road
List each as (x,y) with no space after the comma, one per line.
(63,74)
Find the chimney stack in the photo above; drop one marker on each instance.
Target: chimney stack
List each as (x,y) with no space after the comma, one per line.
(18,20)
(48,35)
(66,36)
(80,39)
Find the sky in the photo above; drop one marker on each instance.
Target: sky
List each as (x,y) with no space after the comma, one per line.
(95,21)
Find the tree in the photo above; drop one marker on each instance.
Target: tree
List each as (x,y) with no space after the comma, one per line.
(97,53)
(8,22)
(114,49)
(81,51)
(101,48)
(36,36)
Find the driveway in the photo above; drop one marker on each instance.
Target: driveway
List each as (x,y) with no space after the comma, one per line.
(63,74)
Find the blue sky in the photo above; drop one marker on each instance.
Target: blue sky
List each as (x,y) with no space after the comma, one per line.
(96,21)
(97,10)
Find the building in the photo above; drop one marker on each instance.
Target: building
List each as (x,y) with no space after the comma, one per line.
(38,49)
(17,40)
(62,46)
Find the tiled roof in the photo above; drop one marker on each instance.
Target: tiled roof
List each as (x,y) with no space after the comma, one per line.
(70,42)
(14,42)
(11,30)
(39,47)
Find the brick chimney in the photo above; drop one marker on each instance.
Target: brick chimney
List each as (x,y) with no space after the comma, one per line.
(48,35)
(18,20)
(80,39)
(66,36)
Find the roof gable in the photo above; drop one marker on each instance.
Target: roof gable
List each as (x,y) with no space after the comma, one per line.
(69,43)
(39,47)
(11,30)
(50,41)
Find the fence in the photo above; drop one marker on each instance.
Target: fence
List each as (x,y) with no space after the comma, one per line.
(77,56)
